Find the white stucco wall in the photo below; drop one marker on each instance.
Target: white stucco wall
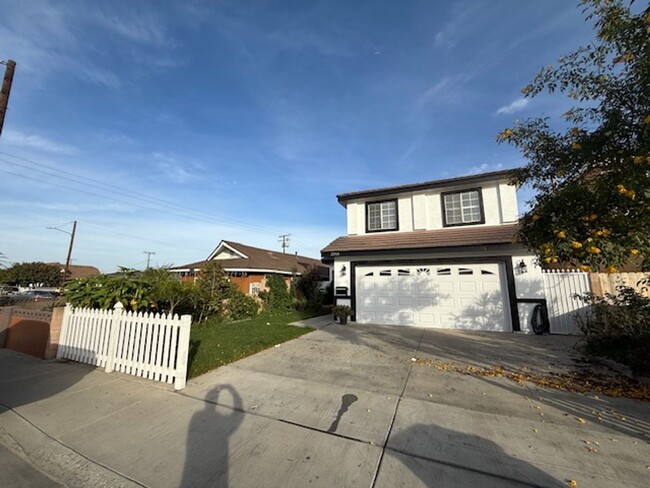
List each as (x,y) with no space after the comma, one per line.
(419,210)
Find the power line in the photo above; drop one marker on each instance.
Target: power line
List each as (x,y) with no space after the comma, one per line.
(149,200)
(127,193)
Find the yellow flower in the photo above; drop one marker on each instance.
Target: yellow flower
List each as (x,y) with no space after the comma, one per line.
(606,232)
(612,269)
(647,119)
(599,233)
(575,146)
(631,194)
(548,260)
(560,234)
(554,259)
(535,218)
(589,239)
(134,303)
(593,250)
(593,217)
(637,159)
(634,252)
(585,268)
(576,245)
(621,189)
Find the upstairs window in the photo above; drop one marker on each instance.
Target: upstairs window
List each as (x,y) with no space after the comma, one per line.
(463,207)
(381,216)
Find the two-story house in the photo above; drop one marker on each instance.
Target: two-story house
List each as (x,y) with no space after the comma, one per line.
(436,254)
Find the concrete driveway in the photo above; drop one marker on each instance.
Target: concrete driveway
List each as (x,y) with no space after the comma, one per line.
(342,406)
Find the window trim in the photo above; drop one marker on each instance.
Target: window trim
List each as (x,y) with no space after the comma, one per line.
(464,190)
(394,200)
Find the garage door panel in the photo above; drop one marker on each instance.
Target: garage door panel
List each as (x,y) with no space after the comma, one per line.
(467,286)
(447,296)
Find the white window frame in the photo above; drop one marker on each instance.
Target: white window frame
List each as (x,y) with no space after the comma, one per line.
(253,286)
(465,205)
(388,218)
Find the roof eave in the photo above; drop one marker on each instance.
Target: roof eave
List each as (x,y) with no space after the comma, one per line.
(343,198)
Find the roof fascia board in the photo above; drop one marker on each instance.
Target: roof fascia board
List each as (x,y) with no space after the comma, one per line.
(450,182)
(223,244)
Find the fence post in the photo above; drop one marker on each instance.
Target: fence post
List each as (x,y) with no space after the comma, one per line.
(112,338)
(183,349)
(5,322)
(65,326)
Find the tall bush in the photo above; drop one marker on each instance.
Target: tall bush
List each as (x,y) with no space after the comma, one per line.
(618,326)
(307,288)
(277,297)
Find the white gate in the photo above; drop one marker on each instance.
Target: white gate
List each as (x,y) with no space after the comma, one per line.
(152,346)
(560,287)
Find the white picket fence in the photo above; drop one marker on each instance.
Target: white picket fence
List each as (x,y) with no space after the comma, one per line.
(560,287)
(152,346)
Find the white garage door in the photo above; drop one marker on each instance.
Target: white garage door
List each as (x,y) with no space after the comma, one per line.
(471,296)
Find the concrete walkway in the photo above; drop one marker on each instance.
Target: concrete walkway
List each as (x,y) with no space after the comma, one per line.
(342,406)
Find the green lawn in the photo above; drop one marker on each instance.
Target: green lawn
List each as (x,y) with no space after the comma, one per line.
(214,344)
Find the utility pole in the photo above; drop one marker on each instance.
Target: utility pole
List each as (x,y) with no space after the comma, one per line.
(284,242)
(67,261)
(148,253)
(6,88)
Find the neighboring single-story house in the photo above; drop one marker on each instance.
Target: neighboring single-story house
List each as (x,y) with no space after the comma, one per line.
(436,254)
(248,266)
(76,271)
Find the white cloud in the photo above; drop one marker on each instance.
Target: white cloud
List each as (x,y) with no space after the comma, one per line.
(173,169)
(515,106)
(33,141)
(484,168)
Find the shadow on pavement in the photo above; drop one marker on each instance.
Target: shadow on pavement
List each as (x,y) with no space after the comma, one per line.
(207,454)
(444,458)
(25,379)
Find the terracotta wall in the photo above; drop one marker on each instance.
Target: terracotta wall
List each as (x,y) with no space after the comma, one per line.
(25,331)
(244,282)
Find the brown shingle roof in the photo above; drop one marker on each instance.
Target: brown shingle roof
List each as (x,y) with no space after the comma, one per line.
(423,239)
(263,259)
(460,180)
(78,271)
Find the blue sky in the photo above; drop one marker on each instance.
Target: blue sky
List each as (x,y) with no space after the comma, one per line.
(168,126)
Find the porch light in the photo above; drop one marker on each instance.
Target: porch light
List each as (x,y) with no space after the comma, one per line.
(522,267)
(343,270)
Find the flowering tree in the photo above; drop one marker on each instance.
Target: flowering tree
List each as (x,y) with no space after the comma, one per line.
(592,178)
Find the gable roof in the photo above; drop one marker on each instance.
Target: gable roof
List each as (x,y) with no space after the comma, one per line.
(258,259)
(78,271)
(460,180)
(424,239)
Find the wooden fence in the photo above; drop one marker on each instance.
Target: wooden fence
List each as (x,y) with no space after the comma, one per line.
(152,346)
(560,287)
(602,283)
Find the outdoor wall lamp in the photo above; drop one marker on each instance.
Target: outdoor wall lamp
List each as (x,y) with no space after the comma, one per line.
(343,270)
(522,267)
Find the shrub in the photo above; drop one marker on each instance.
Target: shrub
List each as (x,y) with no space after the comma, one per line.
(618,327)
(277,297)
(103,291)
(241,306)
(307,287)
